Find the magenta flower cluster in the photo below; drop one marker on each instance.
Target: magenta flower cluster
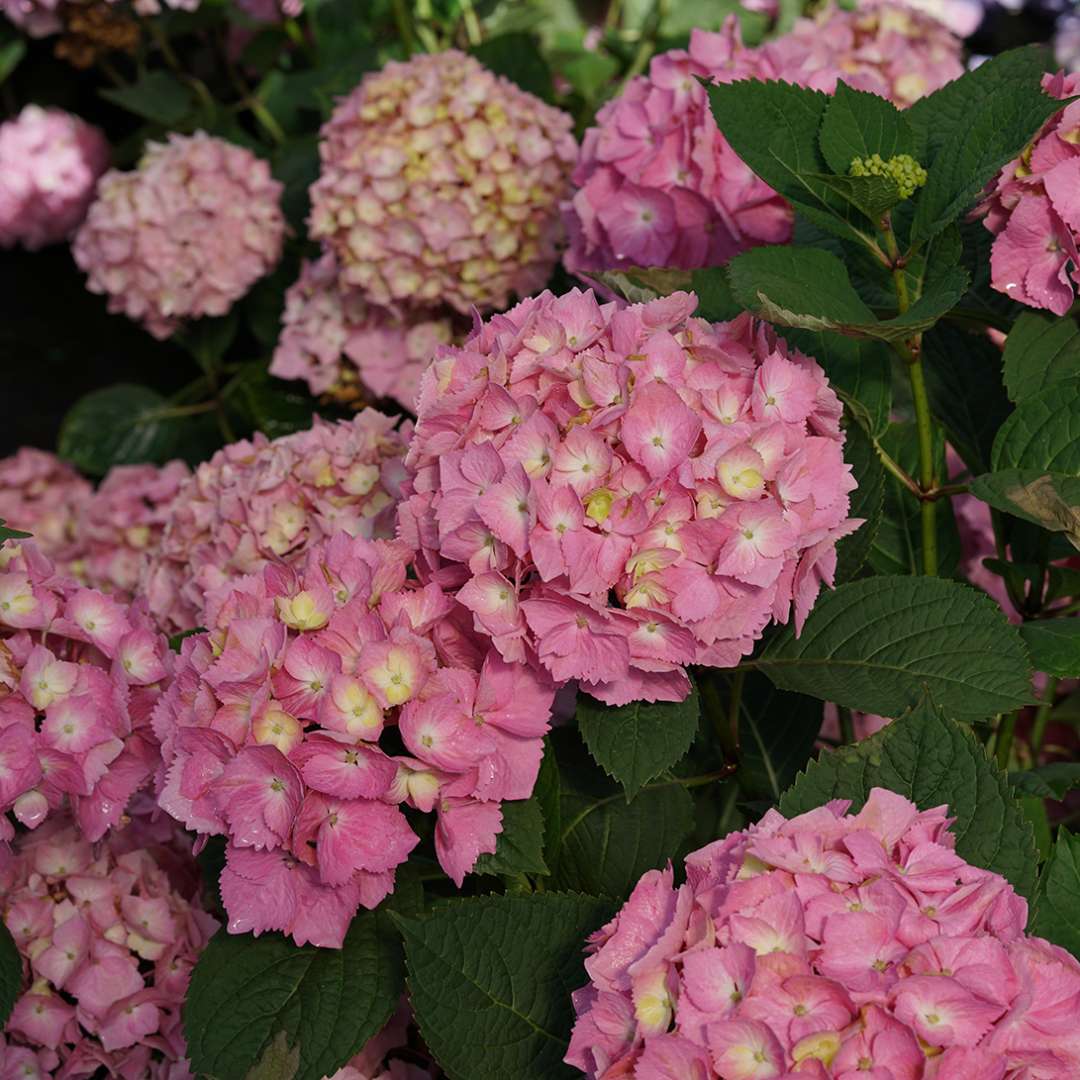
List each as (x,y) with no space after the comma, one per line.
(259,501)
(80,673)
(339,344)
(832,946)
(440,184)
(657,184)
(1033,211)
(270,735)
(616,493)
(50,162)
(185,234)
(108,938)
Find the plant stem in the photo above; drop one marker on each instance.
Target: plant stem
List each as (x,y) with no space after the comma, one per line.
(647,45)
(734,705)
(472,23)
(405,28)
(1042,718)
(927,507)
(1005,732)
(847,725)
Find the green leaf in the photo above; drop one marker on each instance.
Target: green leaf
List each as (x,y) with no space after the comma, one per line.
(267,404)
(1054,645)
(208,340)
(278,1061)
(589,73)
(878,644)
(867,501)
(1040,350)
(490,980)
(639,285)
(119,425)
(931,760)
(635,743)
(1057,903)
(1043,432)
(11,534)
(873,195)
(520,846)
(604,844)
(1052,781)
(777,730)
(716,302)
(1051,500)
(157,96)
(963,377)
(973,126)
(327,1002)
(11,973)
(858,124)
(517,56)
(10,57)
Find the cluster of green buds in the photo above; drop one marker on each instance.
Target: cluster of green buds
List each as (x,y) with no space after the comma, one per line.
(903,168)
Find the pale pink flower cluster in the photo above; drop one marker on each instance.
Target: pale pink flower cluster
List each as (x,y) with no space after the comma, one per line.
(107,942)
(50,162)
(618,493)
(39,18)
(828,947)
(185,234)
(1033,210)
(120,526)
(258,501)
(271,10)
(387,1056)
(885,48)
(43,495)
(270,735)
(80,673)
(657,184)
(333,339)
(441,184)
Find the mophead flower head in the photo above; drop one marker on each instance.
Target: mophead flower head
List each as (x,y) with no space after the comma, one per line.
(107,935)
(885,48)
(50,162)
(657,184)
(185,234)
(80,672)
(1033,210)
(260,500)
(831,945)
(346,348)
(441,183)
(42,495)
(270,735)
(120,526)
(616,493)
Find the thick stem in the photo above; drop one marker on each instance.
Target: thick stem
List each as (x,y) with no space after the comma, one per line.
(1042,718)
(847,725)
(927,481)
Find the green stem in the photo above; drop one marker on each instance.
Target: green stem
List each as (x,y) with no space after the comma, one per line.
(647,45)
(927,508)
(847,725)
(737,681)
(894,467)
(1042,718)
(1005,732)
(472,23)
(405,27)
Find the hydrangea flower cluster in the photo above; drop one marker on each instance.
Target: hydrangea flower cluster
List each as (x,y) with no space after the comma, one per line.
(828,946)
(441,184)
(619,493)
(80,673)
(657,184)
(185,234)
(122,523)
(885,48)
(270,735)
(260,501)
(340,345)
(50,162)
(1033,211)
(108,942)
(43,495)
(39,18)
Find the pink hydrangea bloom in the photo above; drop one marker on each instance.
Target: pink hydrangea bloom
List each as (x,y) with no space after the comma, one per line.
(270,734)
(884,48)
(616,494)
(79,675)
(108,937)
(340,345)
(121,524)
(185,234)
(39,18)
(43,495)
(833,945)
(657,184)
(259,501)
(1033,210)
(441,184)
(50,161)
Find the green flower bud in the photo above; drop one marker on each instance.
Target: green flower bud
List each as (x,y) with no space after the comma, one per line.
(903,168)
